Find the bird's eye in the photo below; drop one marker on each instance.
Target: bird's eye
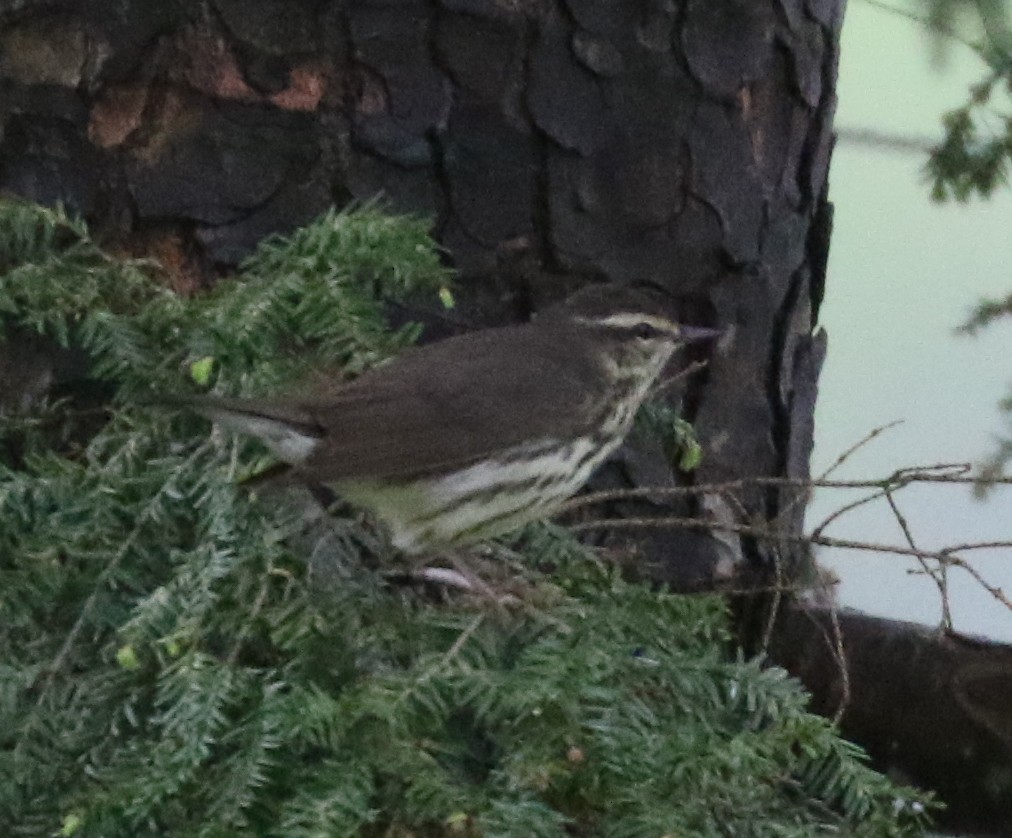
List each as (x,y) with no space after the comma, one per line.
(644,331)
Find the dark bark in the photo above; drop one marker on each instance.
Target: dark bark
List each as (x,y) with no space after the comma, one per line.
(930,708)
(553,142)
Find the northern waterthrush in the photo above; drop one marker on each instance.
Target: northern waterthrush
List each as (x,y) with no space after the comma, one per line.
(456,441)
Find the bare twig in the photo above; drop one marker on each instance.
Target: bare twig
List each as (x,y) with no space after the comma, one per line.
(688,372)
(454,650)
(254,612)
(863,441)
(946,556)
(935,563)
(836,648)
(979,545)
(954,473)
(777,598)
(994,590)
(840,655)
(843,510)
(767,533)
(462,639)
(939,576)
(935,26)
(804,493)
(884,487)
(887,141)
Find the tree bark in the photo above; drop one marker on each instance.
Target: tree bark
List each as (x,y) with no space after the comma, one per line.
(553,143)
(931,709)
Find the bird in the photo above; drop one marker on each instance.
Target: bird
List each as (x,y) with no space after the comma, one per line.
(455,442)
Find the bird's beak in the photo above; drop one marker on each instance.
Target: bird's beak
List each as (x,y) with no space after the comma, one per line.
(695,334)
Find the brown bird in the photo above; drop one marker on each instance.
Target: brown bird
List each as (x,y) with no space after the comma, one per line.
(456,441)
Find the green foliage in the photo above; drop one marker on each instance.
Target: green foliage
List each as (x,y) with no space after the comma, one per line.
(967,164)
(985,314)
(677,436)
(181,657)
(974,157)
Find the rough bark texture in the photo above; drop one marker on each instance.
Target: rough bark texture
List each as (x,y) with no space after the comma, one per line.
(684,143)
(553,143)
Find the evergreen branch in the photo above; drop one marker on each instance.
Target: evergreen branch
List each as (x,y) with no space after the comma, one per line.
(252,672)
(146,513)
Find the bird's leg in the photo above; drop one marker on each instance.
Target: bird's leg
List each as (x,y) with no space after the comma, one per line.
(528,595)
(444,576)
(462,576)
(479,584)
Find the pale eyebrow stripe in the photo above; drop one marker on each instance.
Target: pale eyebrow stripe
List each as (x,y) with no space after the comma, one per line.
(628,320)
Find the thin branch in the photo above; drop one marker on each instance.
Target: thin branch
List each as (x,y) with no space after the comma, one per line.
(836,648)
(843,510)
(926,22)
(937,473)
(454,650)
(994,590)
(939,577)
(802,496)
(979,545)
(946,555)
(760,532)
(774,610)
(461,640)
(887,142)
(254,612)
(863,441)
(689,371)
(840,655)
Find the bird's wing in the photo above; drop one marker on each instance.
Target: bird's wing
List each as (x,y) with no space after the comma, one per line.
(448,404)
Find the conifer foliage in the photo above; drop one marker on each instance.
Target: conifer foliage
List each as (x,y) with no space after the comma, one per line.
(182,656)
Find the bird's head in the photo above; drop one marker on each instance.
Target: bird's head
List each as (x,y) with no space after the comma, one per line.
(636,328)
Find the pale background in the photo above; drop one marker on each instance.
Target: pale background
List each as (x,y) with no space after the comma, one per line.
(903,273)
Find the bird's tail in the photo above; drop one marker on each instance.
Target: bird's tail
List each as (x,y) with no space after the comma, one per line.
(288,430)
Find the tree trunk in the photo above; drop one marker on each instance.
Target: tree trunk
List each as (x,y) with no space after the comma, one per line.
(554,142)
(931,709)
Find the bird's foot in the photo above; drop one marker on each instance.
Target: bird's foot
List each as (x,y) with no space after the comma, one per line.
(463,576)
(485,579)
(468,583)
